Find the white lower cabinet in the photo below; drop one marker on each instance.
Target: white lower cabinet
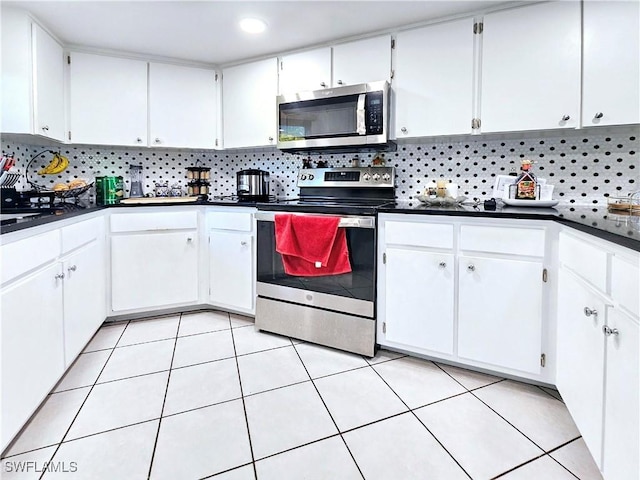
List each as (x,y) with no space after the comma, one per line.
(31,340)
(419,296)
(455,290)
(598,370)
(231,259)
(500,312)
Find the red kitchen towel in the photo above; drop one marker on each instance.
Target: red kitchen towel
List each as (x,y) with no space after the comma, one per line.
(311,246)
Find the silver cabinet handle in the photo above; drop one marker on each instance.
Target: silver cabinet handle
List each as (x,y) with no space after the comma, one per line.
(59,276)
(243,243)
(139,140)
(271,139)
(442,265)
(72,268)
(471,267)
(609,331)
(189,239)
(340,82)
(588,312)
(323,84)
(598,115)
(566,117)
(157,140)
(46,128)
(403,129)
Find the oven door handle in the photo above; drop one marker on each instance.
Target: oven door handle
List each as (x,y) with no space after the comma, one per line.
(345,221)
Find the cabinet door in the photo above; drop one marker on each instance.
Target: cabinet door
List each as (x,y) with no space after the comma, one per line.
(231,270)
(580,352)
(31,340)
(108,100)
(154,270)
(419,299)
(84,298)
(363,61)
(621,458)
(249,104)
(305,71)
(500,312)
(531,68)
(611,69)
(48,75)
(182,106)
(433,80)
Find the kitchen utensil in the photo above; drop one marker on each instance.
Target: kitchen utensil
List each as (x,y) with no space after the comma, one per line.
(252,184)
(135,171)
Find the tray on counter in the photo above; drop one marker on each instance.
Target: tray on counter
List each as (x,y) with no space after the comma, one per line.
(157,200)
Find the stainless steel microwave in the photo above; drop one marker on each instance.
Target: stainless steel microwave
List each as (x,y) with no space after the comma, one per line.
(350,116)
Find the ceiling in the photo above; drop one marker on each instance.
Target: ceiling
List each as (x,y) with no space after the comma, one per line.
(208,32)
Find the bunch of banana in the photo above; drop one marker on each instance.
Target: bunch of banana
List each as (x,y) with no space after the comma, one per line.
(57,164)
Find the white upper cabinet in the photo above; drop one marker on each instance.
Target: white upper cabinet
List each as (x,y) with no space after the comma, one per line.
(531,68)
(433,80)
(611,68)
(305,71)
(249,104)
(48,88)
(363,61)
(108,100)
(32,78)
(182,106)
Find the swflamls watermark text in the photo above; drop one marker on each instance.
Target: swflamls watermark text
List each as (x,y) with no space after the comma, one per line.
(15,466)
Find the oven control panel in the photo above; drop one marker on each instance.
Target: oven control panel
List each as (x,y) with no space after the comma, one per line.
(347,177)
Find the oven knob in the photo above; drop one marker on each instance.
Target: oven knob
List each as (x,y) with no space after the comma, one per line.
(376,177)
(310,177)
(303,177)
(386,177)
(366,177)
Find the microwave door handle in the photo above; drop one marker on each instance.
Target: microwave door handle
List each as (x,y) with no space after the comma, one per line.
(361,123)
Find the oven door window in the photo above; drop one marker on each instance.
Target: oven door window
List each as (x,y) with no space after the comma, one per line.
(358,284)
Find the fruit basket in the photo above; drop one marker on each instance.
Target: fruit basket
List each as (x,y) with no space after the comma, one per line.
(73,192)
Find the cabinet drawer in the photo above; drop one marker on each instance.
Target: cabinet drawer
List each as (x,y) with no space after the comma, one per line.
(25,255)
(625,283)
(508,240)
(242,222)
(585,259)
(435,235)
(136,222)
(81,233)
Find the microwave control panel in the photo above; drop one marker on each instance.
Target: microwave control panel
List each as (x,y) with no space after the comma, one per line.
(374,113)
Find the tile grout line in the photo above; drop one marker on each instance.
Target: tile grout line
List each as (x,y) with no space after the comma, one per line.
(244,405)
(164,400)
(85,399)
(548,393)
(328,411)
(421,422)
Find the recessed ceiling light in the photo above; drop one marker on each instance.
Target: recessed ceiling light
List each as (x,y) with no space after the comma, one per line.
(252,25)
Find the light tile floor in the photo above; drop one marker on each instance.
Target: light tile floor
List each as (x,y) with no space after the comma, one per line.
(205,395)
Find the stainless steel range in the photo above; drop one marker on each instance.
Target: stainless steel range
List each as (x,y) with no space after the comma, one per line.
(336,310)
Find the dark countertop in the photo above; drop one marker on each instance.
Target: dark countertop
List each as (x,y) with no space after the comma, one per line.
(619,229)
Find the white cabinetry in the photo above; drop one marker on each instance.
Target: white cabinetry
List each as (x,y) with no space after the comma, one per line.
(108,100)
(433,80)
(598,372)
(53,300)
(154,259)
(249,104)
(32,78)
(463,290)
(611,65)
(182,106)
(231,259)
(362,61)
(531,68)
(305,71)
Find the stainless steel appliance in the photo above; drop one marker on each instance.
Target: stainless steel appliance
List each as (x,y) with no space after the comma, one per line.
(351,116)
(252,184)
(333,310)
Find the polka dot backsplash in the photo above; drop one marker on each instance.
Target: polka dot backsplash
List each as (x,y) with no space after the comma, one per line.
(585,166)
